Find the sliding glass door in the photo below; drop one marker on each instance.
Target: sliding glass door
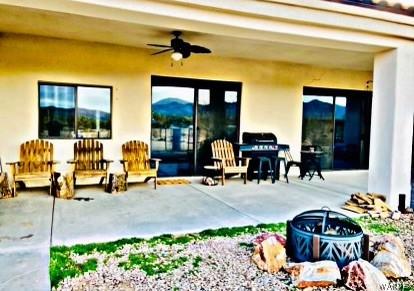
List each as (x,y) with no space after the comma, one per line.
(172,128)
(338,121)
(187,115)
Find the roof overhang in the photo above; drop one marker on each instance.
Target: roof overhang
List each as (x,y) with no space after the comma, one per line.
(290,31)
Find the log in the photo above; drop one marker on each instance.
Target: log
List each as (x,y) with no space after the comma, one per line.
(364,197)
(354,209)
(357,200)
(378,202)
(377,195)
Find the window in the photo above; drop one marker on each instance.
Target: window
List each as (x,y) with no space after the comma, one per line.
(69,111)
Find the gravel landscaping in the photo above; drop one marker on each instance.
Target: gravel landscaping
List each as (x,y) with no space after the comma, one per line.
(211,260)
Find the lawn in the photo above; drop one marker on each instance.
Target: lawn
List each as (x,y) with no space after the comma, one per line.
(175,261)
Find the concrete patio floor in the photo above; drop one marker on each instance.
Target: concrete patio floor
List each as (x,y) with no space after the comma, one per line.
(26,229)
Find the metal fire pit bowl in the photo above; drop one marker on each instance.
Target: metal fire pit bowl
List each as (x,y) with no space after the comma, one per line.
(325,235)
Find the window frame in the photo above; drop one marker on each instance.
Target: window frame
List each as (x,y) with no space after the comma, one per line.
(75,86)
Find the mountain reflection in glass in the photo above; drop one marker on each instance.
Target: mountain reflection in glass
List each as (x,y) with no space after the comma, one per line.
(172,129)
(338,121)
(318,125)
(56,111)
(72,111)
(94,112)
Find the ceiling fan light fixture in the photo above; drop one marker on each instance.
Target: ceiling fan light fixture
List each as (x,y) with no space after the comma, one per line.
(176,56)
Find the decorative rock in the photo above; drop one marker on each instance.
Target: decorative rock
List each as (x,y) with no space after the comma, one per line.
(208,181)
(259,239)
(318,274)
(361,275)
(384,214)
(390,257)
(269,253)
(409,210)
(396,215)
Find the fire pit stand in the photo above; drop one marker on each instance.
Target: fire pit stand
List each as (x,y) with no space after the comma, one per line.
(325,235)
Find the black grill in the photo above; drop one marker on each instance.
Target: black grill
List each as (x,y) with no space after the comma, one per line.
(259,144)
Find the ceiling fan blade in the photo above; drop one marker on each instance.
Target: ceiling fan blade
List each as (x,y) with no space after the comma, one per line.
(185,50)
(158,45)
(199,49)
(163,51)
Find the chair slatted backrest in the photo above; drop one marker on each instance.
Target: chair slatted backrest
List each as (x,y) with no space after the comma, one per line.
(35,156)
(288,155)
(223,149)
(88,155)
(135,152)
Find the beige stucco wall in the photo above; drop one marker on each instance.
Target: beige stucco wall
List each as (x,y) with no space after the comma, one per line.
(271,97)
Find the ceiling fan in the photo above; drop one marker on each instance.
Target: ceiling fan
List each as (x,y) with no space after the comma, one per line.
(180,48)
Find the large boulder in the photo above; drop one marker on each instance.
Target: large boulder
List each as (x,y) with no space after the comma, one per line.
(361,275)
(390,257)
(318,274)
(269,253)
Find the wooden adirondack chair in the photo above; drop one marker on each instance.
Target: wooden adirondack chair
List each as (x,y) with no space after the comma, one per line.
(89,161)
(136,161)
(225,160)
(36,162)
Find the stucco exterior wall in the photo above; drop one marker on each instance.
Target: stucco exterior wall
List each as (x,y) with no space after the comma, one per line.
(271,93)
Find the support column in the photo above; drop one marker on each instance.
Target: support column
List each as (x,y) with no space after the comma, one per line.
(392,124)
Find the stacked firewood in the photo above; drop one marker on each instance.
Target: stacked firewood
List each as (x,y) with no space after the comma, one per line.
(371,203)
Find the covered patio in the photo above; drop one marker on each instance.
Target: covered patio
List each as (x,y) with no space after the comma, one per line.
(143,212)
(272,48)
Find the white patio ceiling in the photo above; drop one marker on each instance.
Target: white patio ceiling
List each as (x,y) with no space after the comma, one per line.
(23,20)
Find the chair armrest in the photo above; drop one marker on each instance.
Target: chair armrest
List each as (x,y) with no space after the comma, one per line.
(72,161)
(221,161)
(218,159)
(13,163)
(106,162)
(244,161)
(13,167)
(124,165)
(156,161)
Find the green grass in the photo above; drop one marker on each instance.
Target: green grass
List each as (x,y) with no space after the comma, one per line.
(376,226)
(197,261)
(151,263)
(62,266)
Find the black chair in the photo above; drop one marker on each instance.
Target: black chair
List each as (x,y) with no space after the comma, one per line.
(289,162)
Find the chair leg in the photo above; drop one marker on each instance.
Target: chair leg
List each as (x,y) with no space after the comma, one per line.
(14,188)
(155,183)
(222,177)
(74,181)
(259,172)
(245,178)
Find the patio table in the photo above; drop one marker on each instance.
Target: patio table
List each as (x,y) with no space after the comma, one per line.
(311,163)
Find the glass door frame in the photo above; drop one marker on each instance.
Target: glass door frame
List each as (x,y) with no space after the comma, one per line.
(347,93)
(197,84)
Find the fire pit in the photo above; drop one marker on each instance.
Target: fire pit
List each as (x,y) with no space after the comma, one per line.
(324,235)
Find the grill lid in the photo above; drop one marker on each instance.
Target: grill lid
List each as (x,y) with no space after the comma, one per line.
(258,137)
